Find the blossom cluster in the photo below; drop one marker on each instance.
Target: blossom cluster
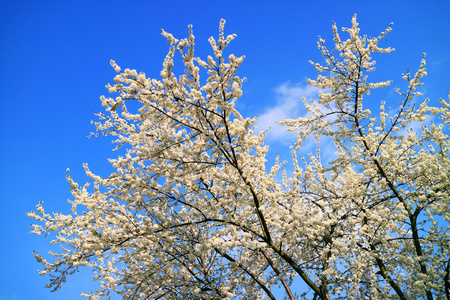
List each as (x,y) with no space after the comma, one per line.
(192,212)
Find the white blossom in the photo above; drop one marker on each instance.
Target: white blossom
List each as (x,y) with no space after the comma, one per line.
(191,212)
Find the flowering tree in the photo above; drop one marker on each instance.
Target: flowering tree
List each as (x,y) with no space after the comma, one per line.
(191,212)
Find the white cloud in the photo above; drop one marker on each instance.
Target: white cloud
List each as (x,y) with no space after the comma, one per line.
(289,106)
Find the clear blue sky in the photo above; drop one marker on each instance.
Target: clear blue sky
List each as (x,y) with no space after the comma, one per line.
(54,64)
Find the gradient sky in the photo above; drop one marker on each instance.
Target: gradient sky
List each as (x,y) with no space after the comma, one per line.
(54,59)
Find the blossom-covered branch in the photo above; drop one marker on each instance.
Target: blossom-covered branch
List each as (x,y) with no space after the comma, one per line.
(191,211)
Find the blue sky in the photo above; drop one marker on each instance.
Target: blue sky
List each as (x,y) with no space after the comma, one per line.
(54,59)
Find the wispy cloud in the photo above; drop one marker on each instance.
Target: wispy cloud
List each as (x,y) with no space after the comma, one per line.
(11,297)
(289,106)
